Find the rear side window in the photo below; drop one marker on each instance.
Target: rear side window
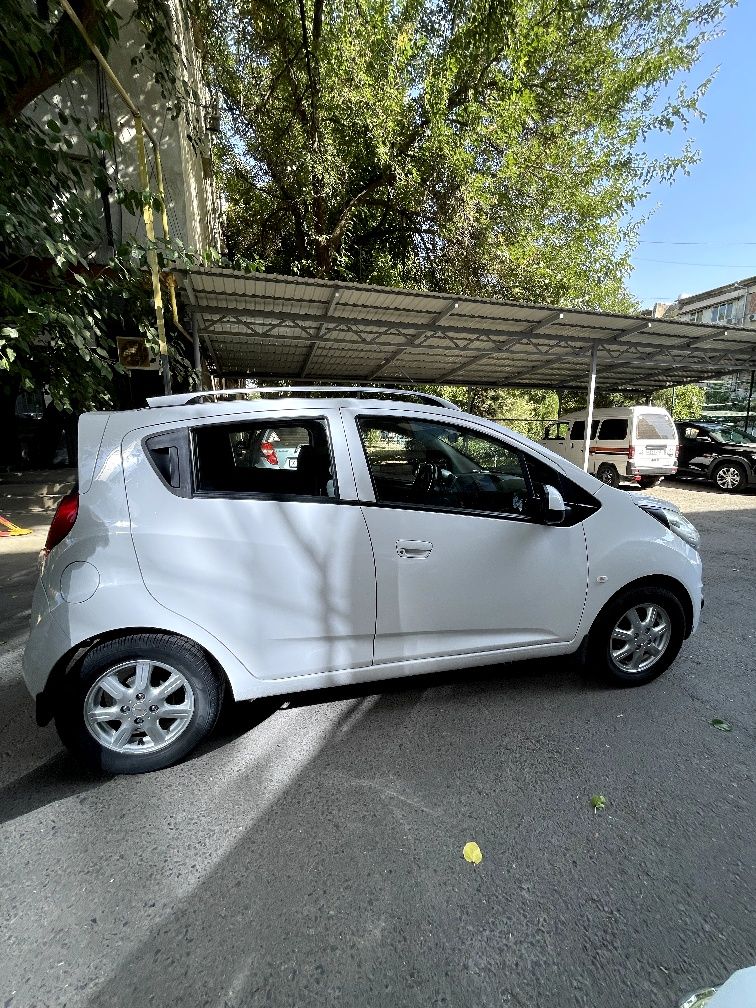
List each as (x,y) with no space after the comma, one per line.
(578,430)
(655,425)
(613,429)
(269,459)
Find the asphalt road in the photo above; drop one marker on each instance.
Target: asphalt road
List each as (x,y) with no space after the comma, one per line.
(311,852)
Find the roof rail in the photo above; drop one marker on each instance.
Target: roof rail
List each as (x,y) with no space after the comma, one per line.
(326,391)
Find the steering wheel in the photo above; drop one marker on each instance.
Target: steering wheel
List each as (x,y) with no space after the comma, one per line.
(426,476)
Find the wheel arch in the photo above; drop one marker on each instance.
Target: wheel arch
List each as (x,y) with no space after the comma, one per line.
(737,460)
(677,588)
(72,659)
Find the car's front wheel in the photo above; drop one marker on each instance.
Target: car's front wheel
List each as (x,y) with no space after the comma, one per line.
(139,703)
(729,476)
(637,636)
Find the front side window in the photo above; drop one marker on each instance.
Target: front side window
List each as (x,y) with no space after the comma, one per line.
(556,432)
(692,433)
(267,458)
(421,463)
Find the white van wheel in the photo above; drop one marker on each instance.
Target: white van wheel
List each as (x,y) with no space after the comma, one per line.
(608,474)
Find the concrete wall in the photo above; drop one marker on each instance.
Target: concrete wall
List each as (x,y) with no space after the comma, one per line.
(185,143)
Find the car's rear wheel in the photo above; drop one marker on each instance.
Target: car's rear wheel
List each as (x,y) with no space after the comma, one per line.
(729,476)
(608,474)
(139,703)
(637,636)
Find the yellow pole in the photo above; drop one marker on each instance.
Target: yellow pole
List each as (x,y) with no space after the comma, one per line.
(149,223)
(171,280)
(149,226)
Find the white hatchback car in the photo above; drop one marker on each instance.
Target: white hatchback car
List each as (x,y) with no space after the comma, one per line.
(411,537)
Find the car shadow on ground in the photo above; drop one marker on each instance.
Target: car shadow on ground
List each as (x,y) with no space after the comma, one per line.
(564,673)
(61,776)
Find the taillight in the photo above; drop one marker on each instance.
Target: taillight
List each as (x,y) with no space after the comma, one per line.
(63,520)
(631,451)
(269,452)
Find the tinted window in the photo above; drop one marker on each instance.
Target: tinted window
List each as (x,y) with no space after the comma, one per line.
(691,433)
(731,435)
(281,459)
(415,462)
(654,425)
(613,429)
(578,430)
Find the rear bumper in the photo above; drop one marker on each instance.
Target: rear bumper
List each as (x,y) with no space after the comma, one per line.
(650,470)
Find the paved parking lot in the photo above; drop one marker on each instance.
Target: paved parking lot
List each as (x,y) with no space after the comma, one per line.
(310,853)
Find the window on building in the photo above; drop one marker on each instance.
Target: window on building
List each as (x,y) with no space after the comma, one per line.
(723,312)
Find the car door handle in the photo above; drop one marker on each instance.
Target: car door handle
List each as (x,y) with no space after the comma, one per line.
(413,549)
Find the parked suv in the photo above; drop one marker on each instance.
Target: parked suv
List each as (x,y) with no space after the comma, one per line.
(410,537)
(718,452)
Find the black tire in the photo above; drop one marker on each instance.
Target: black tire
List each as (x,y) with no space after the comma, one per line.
(175,653)
(599,657)
(608,474)
(730,477)
(650,481)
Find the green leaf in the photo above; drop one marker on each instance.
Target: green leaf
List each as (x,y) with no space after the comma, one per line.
(721,724)
(598,801)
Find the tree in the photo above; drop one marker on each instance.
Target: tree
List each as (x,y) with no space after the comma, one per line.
(60,310)
(488,147)
(686,403)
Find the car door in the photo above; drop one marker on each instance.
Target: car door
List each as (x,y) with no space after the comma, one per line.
(264,557)
(611,444)
(461,564)
(697,449)
(575,445)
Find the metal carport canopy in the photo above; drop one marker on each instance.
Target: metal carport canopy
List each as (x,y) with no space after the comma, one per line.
(260,325)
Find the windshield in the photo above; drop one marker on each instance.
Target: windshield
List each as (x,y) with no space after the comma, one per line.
(728,434)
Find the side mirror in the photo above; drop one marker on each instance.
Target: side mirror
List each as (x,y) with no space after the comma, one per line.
(553,508)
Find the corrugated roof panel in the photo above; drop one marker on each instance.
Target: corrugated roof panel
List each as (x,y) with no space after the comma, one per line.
(367,326)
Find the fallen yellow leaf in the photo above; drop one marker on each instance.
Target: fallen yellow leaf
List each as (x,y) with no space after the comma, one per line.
(472,853)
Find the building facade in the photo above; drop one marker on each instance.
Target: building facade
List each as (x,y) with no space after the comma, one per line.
(184,134)
(731,399)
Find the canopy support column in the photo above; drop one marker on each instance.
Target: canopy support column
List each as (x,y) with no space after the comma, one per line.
(591,397)
(748,407)
(197,352)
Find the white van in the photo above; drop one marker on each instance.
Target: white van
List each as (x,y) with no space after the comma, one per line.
(635,444)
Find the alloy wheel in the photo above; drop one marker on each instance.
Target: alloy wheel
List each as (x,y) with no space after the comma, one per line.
(640,638)
(728,478)
(139,706)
